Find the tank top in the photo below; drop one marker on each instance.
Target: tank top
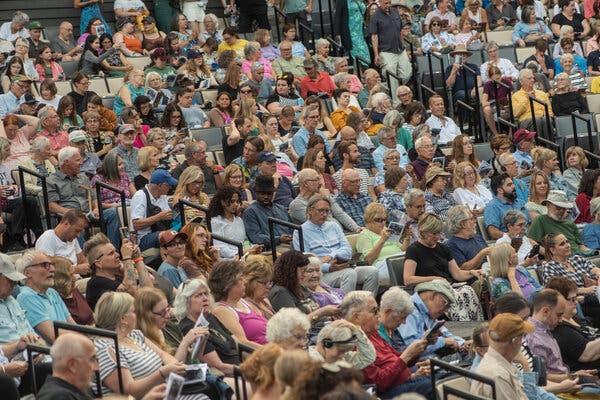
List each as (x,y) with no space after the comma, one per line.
(253,323)
(133,43)
(151,44)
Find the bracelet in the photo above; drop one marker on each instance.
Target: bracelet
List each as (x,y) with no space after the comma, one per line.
(137,260)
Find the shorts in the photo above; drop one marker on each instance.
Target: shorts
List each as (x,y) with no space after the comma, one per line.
(193,12)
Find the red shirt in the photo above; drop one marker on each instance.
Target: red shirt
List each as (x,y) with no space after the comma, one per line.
(388,369)
(58,140)
(323,83)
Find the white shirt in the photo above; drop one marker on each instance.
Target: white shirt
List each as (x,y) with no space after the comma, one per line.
(138,209)
(470,199)
(506,67)
(447,132)
(6,33)
(523,250)
(233,230)
(128,4)
(53,246)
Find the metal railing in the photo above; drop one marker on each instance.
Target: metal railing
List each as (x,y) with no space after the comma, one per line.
(181,205)
(588,121)
(388,76)
(121,193)
(22,171)
(477,116)
(546,114)
(276,221)
(361,64)
(339,49)
(278,14)
(239,245)
(303,29)
(437,364)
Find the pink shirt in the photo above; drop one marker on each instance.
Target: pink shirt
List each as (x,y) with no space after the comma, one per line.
(138,142)
(57,140)
(247,65)
(19,150)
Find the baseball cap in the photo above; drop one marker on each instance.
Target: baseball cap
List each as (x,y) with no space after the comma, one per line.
(35,25)
(126,128)
(77,136)
(193,53)
(20,78)
(265,156)
(522,134)
(8,269)
(162,176)
(166,237)
(506,326)
(29,99)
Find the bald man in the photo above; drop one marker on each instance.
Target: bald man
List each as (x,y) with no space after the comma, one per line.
(74,364)
(64,47)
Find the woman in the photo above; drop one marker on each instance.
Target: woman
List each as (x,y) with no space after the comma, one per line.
(196,69)
(516,226)
(199,254)
(150,36)
(339,116)
(591,232)
(324,62)
(158,95)
(463,150)
(427,259)
(252,53)
(474,11)
(566,100)
(148,161)
(90,62)
(13,67)
(113,173)
(90,13)
(507,275)
(289,35)
(468,34)
(381,105)
(316,158)
(289,329)
(187,38)
(538,192)
(577,162)
(67,114)
(191,183)
(174,127)
(546,161)
(39,161)
(93,27)
(133,86)
(414,114)
(322,293)
(440,200)
(258,370)
(267,50)
(108,119)
(227,284)
(144,108)
(115,64)
(64,284)
(125,39)
(234,177)
(48,92)
(589,189)
(159,63)
(351,14)
(495,96)
(355,85)
(22,52)
(566,31)
(272,131)
(248,109)
(592,43)
(101,141)
(222,113)
(395,184)
(468,189)
(231,81)
(258,273)
(211,29)
(374,244)
(529,29)
(284,95)
(437,40)
(575,67)
(570,16)
(46,66)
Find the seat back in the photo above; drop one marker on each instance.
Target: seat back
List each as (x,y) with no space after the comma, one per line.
(456,382)
(483,151)
(523,53)
(395,266)
(63,87)
(213,137)
(483,229)
(564,125)
(593,101)
(508,53)
(69,67)
(114,84)
(99,86)
(140,62)
(503,38)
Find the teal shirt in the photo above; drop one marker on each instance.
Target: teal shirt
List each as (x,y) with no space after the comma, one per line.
(294,6)
(13,321)
(118,106)
(42,307)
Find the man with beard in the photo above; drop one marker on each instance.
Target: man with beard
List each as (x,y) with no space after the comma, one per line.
(350,156)
(41,303)
(505,198)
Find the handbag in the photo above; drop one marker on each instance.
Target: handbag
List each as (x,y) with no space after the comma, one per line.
(152,210)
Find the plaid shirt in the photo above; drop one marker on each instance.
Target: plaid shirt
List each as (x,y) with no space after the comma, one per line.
(581,265)
(439,205)
(393,203)
(354,207)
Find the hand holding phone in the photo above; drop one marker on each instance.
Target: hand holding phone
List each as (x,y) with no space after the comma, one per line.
(434,330)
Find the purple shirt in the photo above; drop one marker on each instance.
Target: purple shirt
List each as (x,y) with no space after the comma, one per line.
(542,344)
(333,296)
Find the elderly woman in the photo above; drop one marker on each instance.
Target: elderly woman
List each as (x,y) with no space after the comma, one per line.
(566,100)
(322,293)
(289,329)
(395,183)
(566,31)
(569,16)
(394,307)
(437,40)
(228,287)
(428,259)
(253,55)
(439,200)
(148,161)
(574,66)
(476,13)
(529,29)
(381,105)
(516,226)
(373,242)
(133,86)
(40,162)
(468,189)
(15,29)
(158,95)
(258,272)
(589,189)
(468,34)
(507,275)
(199,255)
(324,62)
(64,284)
(591,231)
(467,248)
(22,52)
(102,141)
(341,65)
(193,300)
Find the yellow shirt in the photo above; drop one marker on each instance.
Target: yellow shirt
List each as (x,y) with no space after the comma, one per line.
(522,108)
(238,48)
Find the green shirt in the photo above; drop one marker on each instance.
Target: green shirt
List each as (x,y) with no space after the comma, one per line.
(543,225)
(366,241)
(163,72)
(294,6)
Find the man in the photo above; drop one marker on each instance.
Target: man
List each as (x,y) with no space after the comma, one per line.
(41,303)
(350,198)
(74,365)
(315,81)
(441,11)
(62,240)
(69,188)
(372,85)
(520,101)
(286,62)
(390,371)
(257,80)
(405,96)
(14,322)
(506,333)
(348,152)
(310,183)
(10,102)
(326,240)
(508,165)
(385,27)
(195,155)
(29,105)
(439,200)
(35,38)
(414,201)
(193,115)
(90,162)
(172,244)
(256,216)
(555,221)
(501,15)
(431,300)
(150,211)
(125,149)
(425,152)
(267,165)
(248,160)
(311,120)
(446,127)
(387,140)
(50,122)
(456,74)
(64,47)
(348,133)
(524,140)
(505,198)
(234,141)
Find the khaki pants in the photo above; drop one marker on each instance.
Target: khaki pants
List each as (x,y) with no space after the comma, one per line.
(398,64)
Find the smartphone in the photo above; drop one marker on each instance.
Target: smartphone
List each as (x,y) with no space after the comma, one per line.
(284,146)
(397,228)
(524,165)
(174,386)
(534,251)
(124,231)
(434,329)
(458,60)
(441,160)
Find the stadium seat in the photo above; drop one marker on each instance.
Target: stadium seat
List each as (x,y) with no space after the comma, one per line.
(212,136)
(140,62)
(99,86)
(63,87)
(69,67)
(503,38)
(593,101)
(524,53)
(114,84)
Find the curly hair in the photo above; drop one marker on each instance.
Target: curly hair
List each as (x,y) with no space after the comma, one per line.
(165,122)
(223,276)
(259,368)
(285,270)
(224,194)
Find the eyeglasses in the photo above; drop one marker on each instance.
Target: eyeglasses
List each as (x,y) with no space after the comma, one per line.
(435,24)
(45,264)
(379,220)
(322,210)
(267,284)
(246,91)
(445,301)
(163,313)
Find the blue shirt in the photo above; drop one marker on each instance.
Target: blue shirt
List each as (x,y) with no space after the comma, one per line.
(521,156)
(324,240)
(495,210)
(464,250)
(522,190)
(9,103)
(256,221)
(42,307)
(175,275)
(418,322)
(591,235)
(558,182)
(381,149)
(13,321)
(354,207)
(300,141)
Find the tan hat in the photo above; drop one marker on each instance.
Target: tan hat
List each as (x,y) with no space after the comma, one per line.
(558,198)
(433,172)
(437,285)
(504,327)
(460,49)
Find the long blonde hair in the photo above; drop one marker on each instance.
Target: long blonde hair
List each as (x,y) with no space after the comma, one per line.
(145,300)
(191,174)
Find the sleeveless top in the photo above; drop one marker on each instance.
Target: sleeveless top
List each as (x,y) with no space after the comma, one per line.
(151,44)
(133,43)
(254,324)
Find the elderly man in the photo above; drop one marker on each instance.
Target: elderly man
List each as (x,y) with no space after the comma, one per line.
(555,221)
(64,47)
(286,62)
(90,162)
(62,240)
(311,120)
(125,149)
(425,152)
(326,240)
(387,140)
(41,303)
(405,96)
(14,321)
(248,160)
(195,155)
(442,10)
(468,248)
(438,199)
(315,82)
(501,15)
(414,201)
(390,371)
(462,89)
(257,80)
(505,198)
(372,85)
(74,364)
(10,102)
(445,126)
(149,222)
(348,133)
(311,183)
(520,101)
(350,198)
(506,333)
(50,128)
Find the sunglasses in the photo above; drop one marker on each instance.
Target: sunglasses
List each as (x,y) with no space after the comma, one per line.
(245,91)
(436,24)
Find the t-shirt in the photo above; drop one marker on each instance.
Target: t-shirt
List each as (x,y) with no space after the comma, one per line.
(175,275)
(232,152)
(53,246)
(96,286)
(543,225)
(576,23)
(572,342)
(56,388)
(463,250)
(430,262)
(42,307)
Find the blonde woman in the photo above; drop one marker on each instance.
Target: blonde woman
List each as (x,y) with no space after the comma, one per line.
(538,192)
(468,189)
(190,186)
(133,86)
(64,284)
(233,176)
(577,162)
(546,160)
(507,275)
(148,161)
(196,69)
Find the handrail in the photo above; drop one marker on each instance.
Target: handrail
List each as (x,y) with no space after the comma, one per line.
(30,349)
(461,104)
(442,70)
(181,205)
(302,27)
(588,121)
(278,14)
(546,113)
(427,88)
(388,73)
(88,330)
(509,90)
(594,156)
(276,221)
(360,60)
(239,245)
(478,100)
(99,186)
(22,171)
(435,362)
(338,47)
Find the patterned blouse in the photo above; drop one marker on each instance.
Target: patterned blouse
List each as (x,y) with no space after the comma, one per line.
(581,265)
(108,196)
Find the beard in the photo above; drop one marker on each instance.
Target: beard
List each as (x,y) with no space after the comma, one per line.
(512,196)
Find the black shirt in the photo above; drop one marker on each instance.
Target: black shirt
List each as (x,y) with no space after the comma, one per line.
(576,23)
(566,103)
(56,388)
(81,100)
(96,287)
(430,262)
(232,152)
(387,28)
(219,340)
(140,181)
(572,341)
